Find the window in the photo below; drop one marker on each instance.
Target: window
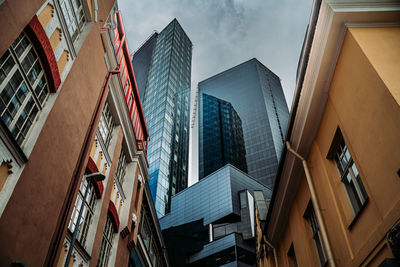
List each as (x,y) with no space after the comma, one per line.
(106,244)
(74,17)
(149,238)
(106,125)
(292,256)
(145,233)
(121,167)
(23,88)
(310,216)
(88,210)
(348,171)
(153,254)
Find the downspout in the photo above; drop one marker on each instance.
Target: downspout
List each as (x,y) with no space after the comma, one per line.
(96,9)
(316,206)
(68,202)
(274,249)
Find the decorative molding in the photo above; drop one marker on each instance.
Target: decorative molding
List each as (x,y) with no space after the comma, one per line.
(125,232)
(334,19)
(372,24)
(363,6)
(46,52)
(112,212)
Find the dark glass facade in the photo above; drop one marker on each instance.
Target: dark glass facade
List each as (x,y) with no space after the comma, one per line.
(179,145)
(212,222)
(141,62)
(168,74)
(222,136)
(256,94)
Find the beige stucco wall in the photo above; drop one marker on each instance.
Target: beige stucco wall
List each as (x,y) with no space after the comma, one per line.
(364,102)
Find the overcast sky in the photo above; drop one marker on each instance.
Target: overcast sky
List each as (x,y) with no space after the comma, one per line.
(224,34)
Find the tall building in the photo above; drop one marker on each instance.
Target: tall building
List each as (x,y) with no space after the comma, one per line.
(73,170)
(179,145)
(221,135)
(164,64)
(212,222)
(256,94)
(141,63)
(336,200)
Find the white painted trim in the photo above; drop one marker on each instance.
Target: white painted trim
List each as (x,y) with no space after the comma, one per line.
(372,25)
(143,248)
(363,6)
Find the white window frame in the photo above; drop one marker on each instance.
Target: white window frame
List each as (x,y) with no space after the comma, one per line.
(106,244)
(350,177)
(34,94)
(106,126)
(88,212)
(74,44)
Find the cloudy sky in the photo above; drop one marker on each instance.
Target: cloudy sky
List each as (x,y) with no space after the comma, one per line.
(226,33)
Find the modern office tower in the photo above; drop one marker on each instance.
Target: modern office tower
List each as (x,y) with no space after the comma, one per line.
(256,94)
(180,144)
(73,169)
(141,62)
(168,74)
(212,223)
(222,136)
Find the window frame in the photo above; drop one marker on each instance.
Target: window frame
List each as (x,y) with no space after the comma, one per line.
(152,244)
(88,212)
(309,215)
(74,44)
(106,243)
(106,126)
(121,168)
(35,95)
(339,152)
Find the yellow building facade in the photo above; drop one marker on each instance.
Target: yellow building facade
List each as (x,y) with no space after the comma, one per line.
(336,200)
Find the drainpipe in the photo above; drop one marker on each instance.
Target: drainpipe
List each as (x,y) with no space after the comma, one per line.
(96,9)
(316,206)
(68,202)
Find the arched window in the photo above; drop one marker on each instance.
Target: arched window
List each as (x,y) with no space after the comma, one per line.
(23,87)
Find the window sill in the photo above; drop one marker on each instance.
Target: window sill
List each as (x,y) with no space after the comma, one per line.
(353,222)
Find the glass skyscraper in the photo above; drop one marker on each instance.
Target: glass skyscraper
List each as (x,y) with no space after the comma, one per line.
(163,66)
(222,136)
(256,94)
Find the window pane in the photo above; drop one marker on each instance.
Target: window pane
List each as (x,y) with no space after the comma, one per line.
(73,16)
(310,216)
(350,177)
(15,93)
(106,244)
(87,213)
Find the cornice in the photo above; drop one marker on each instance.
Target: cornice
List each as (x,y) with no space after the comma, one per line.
(334,19)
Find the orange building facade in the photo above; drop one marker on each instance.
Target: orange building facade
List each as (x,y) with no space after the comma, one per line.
(70,110)
(336,200)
